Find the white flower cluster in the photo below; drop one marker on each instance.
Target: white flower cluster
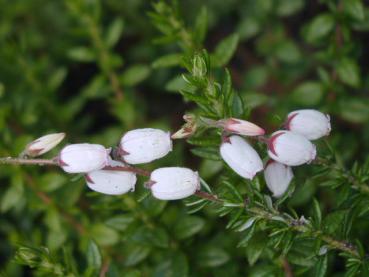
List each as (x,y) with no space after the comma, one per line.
(136,147)
(286,148)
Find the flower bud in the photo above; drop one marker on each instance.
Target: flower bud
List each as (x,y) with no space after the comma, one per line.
(43,144)
(290,148)
(172,183)
(83,157)
(241,157)
(144,145)
(111,182)
(277,177)
(311,124)
(241,127)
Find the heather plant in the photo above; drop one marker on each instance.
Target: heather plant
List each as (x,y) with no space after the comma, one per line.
(184,138)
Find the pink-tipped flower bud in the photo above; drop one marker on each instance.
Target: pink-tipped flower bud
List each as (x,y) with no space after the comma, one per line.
(83,157)
(290,148)
(311,124)
(172,183)
(43,144)
(241,127)
(277,177)
(144,145)
(111,181)
(241,157)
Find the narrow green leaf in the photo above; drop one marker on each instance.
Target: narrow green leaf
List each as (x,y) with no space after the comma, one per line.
(308,93)
(354,8)
(94,259)
(201,25)
(224,51)
(167,61)
(188,226)
(321,26)
(114,32)
(317,214)
(349,73)
(81,54)
(207,153)
(320,267)
(135,74)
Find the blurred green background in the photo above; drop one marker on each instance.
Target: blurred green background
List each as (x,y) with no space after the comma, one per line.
(90,68)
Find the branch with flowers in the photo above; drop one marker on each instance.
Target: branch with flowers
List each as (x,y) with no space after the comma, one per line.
(219,130)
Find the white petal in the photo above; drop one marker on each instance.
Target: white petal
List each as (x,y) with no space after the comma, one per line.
(242,127)
(172,183)
(145,145)
(241,157)
(110,181)
(290,148)
(312,124)
(44,144)
(83,157)
(277,177)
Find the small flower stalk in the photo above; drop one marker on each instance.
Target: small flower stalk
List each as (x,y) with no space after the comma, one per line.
(241,157)
(111,182)
(43,144)
(144,145)
(172,183)
(290,148)
(311,124)
(277,177)
(83,157)
(241,127)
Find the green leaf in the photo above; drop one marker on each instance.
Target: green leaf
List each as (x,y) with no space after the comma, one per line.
(288,52)
(247,236)
(320,267)
(177,84)
(254,249)
(207,153)
(289,7)
(174,265)
(308,94)
(224,51)
(349,73)
(355,110)
(94,259)
(120,222)
(188,226)
(104,235)
(333,222)
(167,61)
(320,27)
(155,237)
(354,8)
(13,195)
(201,26)
(204,141)
(237,105)
(135,254)
(114,32)
(317,214)
(81,54)
(212,256)
(135,74)
(249,27)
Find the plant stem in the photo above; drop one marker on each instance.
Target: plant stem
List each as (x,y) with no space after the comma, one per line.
(136,170)
(21,161)
(41,162)
(295,225)
(104,59)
